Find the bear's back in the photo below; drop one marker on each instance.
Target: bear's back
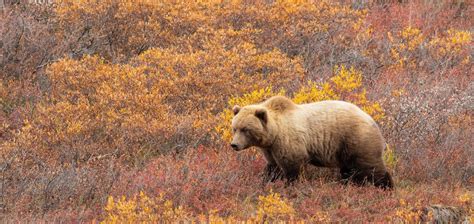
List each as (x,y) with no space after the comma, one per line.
(337,109)
(328,112)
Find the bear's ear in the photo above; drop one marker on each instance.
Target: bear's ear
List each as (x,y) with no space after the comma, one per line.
(236,109)
(262,115)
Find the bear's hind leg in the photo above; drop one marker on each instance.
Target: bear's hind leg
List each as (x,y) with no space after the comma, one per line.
(378,177)
(356,176)
(360,174)
(346,174)
(384,181)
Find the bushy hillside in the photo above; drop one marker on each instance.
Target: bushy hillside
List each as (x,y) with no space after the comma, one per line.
(119,111)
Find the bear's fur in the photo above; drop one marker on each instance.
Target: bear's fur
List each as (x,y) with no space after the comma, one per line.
(326,134)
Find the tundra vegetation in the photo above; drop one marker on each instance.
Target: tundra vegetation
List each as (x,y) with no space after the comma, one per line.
(119,110)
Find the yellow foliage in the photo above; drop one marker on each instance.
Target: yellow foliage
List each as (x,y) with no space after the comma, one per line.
(122,108)
(466,198)
(407,43)
(107,107)
(412,38)
(272,208)
(214,218)
(451,44)
(143,209)
(346,84)
(313,92)
(199,50)
(179,24)
(190,81)
(408,213)
(347,80)
(320,217)
(404,46)
(389,157)
(471,215)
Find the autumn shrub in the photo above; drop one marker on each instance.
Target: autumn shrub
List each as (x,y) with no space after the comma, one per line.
(452,47)
(117,30)
(422,133)
(125,110)
(406,48)
(272,208)
(287,25)
(189,80)
(411,49)
(142,209)
(95,115)
(112,107)
(28,42)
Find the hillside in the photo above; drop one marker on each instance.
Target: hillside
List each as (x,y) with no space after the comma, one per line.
(119,111)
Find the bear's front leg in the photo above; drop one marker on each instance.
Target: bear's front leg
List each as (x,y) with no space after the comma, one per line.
(291,169)
(290,159)
(272,173)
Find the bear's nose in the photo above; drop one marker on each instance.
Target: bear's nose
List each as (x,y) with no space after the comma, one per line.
(234,146)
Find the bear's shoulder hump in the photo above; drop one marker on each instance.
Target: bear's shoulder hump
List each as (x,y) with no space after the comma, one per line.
(279,103)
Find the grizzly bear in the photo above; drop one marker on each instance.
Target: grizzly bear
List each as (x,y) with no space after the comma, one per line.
(326,134)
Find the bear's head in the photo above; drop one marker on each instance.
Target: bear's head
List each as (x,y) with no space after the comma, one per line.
(250,127)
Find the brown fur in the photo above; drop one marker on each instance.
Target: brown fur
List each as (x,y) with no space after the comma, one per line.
(327,133)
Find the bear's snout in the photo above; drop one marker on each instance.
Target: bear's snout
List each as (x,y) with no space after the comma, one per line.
(234,146)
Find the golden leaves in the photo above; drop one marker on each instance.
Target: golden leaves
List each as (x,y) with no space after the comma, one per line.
(97,107)
(273,207)
(404,46)
(408,44)
(143,209)
(452,44)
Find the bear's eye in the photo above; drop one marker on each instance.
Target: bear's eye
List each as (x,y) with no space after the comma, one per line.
(233,129)
(245,130)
